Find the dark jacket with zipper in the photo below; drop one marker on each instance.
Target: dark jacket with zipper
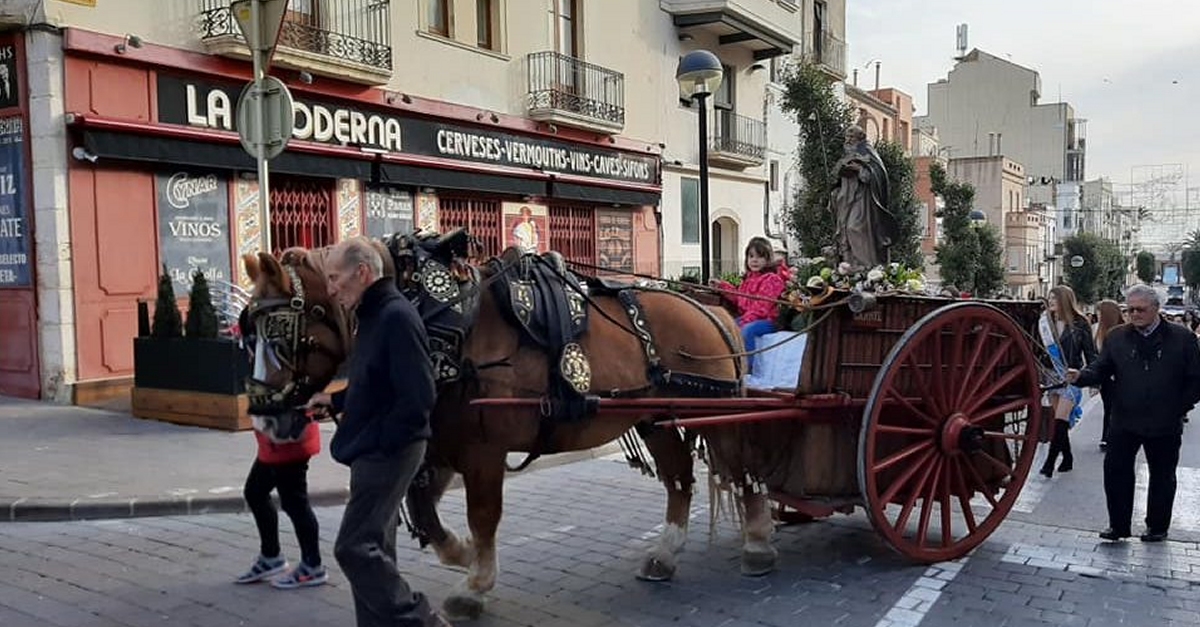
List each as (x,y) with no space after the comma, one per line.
(1078,346)
(391,392)
(1155,378)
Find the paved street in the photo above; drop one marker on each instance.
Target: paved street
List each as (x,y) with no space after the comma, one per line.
(571,540)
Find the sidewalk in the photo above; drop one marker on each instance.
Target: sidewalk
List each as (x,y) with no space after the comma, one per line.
(72,463)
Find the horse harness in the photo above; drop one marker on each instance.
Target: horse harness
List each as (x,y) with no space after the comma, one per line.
(283,324)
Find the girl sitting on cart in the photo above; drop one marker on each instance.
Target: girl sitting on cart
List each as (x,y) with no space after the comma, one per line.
(762,285)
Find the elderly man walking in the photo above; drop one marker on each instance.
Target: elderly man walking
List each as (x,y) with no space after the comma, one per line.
(382,434)
(1156,370)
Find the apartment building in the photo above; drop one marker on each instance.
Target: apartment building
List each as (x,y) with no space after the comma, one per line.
(431,113)
(824,45)
(1000,193)
(884,114)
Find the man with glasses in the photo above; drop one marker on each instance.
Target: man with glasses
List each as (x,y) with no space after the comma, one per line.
(1156,370)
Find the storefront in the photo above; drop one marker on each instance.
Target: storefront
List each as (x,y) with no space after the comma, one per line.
(158,177)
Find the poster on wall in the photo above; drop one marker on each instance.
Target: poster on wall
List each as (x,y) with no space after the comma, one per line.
(9,93)
(15,253)
(193,227)
(527,226)
(389,210)
(614,240)
(427,212)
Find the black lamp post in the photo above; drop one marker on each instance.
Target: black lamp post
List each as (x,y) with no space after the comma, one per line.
(699,75)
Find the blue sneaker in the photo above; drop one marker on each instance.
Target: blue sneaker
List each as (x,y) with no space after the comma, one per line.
(302,576)
(264,568)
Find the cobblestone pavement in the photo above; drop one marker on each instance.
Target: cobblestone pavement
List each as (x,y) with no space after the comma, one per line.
(571,540)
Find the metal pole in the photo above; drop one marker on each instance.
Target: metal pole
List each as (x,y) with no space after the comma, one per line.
(264,195)
(705,228)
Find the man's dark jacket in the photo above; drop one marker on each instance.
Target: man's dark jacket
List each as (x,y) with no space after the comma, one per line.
(391,391)
(1156,379)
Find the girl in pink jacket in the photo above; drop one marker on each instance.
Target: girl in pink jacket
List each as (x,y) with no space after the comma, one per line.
(762,285)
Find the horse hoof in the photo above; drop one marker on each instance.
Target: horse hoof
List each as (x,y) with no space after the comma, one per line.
(655,569)
(461,605)
(758,563)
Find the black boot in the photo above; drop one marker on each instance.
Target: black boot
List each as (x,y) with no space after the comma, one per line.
(1062,434)
(1048,467)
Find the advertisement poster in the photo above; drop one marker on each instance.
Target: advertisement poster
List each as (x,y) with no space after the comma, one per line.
(389,210)
(193,227)
(15,254)
(427,212)
(615,240)
(527,226)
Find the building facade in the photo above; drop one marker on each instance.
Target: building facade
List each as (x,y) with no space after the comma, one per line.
(987,105)
(824,45)
(129,160)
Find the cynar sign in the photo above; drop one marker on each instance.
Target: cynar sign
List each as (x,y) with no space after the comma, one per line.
(206,105)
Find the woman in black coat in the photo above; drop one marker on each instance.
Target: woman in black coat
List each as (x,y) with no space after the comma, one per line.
(1074,335)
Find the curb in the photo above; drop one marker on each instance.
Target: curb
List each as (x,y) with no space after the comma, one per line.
(60,509)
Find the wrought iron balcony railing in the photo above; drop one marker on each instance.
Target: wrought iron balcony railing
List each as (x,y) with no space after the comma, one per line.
(355,31)
(561,84)
(738,135)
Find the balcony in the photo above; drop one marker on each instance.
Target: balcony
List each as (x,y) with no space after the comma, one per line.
(828,52)
(737,141)
(345,39)
(566,90)
(769,28)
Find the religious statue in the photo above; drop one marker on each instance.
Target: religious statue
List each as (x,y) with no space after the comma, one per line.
(865,225)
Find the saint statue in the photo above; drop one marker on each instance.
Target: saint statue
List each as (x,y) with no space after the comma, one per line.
(865,226)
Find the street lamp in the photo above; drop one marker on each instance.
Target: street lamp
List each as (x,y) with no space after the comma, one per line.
(699,75)
(978,218)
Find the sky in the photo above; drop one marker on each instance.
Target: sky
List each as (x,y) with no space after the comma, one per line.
(1132,69)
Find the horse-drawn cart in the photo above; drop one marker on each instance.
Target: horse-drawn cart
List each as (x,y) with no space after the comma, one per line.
(921,410)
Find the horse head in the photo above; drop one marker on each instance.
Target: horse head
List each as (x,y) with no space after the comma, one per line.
(297,336)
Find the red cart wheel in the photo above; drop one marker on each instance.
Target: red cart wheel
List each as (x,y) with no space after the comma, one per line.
(949,431)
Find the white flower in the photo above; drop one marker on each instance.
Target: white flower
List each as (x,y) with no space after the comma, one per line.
(816,282)
(914,285)
(895,266)
(875,275)
(844,268)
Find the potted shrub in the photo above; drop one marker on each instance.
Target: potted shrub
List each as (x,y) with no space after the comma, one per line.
(187,374)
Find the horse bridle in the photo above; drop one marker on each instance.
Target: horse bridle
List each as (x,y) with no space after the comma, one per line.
(283,323)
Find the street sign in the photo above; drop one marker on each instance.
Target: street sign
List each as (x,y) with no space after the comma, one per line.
(263,34)
(278,119)
(1077,261)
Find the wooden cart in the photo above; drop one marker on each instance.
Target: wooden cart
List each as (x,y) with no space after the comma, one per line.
(923,411)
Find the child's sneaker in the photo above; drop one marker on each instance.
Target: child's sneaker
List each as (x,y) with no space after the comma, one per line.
(264,568)
(301,577)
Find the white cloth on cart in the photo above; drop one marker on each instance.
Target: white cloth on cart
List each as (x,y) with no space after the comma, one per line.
(777,367)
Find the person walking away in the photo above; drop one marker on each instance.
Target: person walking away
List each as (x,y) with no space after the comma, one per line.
(1155,372)
(283,466)
(382,435)
(1109,314)
(756,298)
(1068,338)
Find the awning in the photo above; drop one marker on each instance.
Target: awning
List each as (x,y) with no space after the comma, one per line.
(454,179)
(168,150)
(602,195)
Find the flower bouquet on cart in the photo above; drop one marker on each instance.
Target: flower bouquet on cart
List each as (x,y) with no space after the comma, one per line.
(815,280)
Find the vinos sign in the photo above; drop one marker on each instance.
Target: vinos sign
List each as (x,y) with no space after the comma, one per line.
(193,227)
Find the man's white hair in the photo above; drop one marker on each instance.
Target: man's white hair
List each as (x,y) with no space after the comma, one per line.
(1142,290)
(358,250)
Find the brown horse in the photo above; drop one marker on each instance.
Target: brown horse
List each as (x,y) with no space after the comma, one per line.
(475,442)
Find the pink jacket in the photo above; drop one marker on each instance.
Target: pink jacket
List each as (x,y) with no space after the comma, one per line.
(766,287)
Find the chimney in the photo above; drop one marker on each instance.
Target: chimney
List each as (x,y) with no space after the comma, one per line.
(998,149)
(991,144)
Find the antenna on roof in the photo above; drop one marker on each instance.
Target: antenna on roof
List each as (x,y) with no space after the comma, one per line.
(960,40)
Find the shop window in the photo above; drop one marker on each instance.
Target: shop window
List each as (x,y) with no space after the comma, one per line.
(302,213)
(573,233)
(689,206)
(481,217)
